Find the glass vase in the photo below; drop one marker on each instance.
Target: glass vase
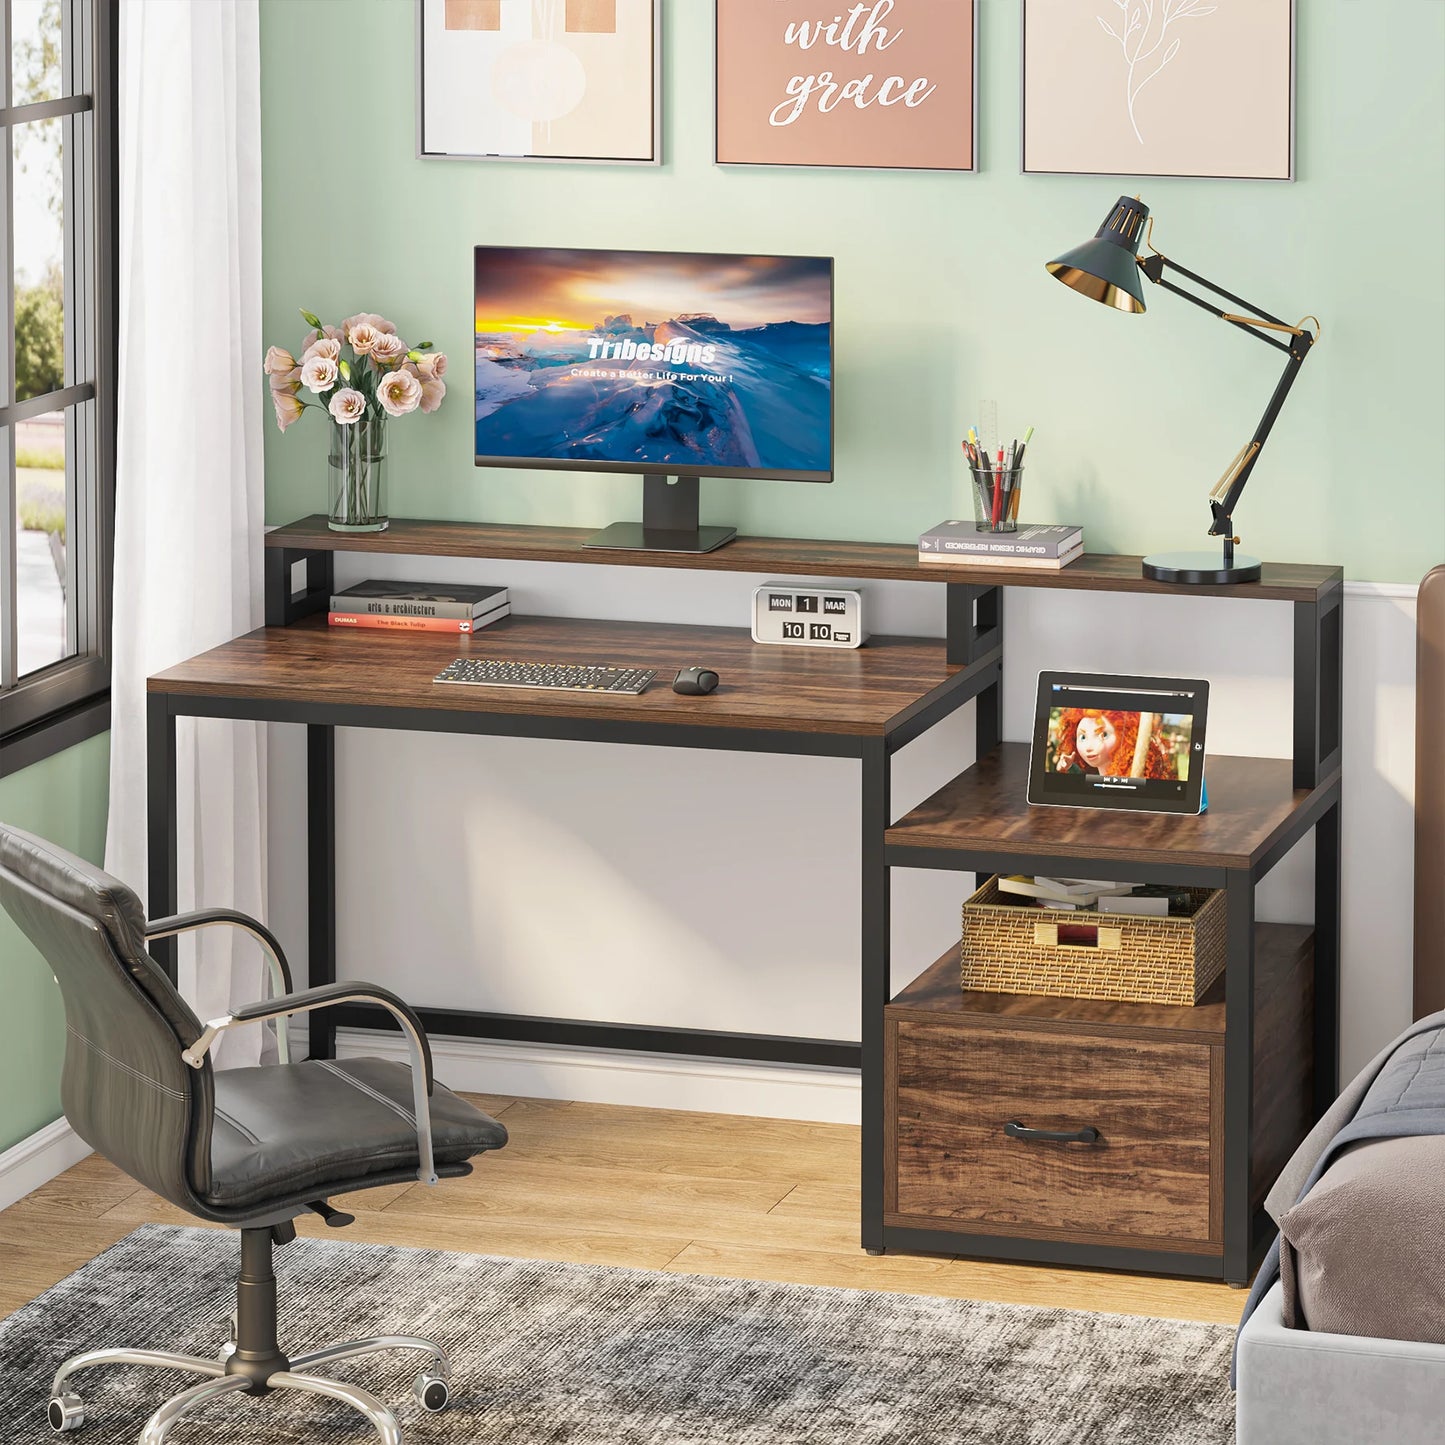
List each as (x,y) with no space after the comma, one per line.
(358,474)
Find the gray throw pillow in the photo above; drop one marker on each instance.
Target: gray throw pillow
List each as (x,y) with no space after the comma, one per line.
(1363,1253)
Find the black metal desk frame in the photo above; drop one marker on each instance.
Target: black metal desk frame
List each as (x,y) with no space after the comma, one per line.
(974,643)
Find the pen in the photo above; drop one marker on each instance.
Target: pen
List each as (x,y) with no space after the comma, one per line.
(1009,477)
(1018,466)
(971,457)
(985,479)
(998,490)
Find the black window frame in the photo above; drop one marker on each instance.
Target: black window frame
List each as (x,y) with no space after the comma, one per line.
(68,701)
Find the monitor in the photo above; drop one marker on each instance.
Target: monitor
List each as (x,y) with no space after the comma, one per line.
(674,365)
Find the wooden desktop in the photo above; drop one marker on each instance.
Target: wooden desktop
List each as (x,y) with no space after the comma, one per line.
(864,704)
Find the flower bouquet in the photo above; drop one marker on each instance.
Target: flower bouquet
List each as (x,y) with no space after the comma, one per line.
(381,377)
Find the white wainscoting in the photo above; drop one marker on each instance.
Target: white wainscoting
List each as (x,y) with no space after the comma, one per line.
(37,1159)
(719,890)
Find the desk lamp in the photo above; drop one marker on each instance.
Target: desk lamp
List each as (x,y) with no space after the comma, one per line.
(1107,269)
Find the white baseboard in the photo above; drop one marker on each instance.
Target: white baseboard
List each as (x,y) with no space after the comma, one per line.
(38,1159)
(653,1081)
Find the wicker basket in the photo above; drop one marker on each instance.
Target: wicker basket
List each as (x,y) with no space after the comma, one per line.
(1009,948)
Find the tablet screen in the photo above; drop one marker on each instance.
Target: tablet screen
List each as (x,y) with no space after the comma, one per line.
(1119,742)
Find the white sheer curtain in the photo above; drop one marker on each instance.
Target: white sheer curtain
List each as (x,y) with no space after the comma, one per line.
(189,496)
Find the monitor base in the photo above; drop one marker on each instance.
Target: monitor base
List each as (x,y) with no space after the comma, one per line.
(669,521)
(1201,569)
(634,537)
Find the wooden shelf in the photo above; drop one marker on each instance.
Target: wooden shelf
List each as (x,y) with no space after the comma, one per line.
(1253,806)
(936,992)
(781,557)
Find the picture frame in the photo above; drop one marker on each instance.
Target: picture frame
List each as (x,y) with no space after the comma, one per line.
(894,108)
(573,82)
(1093,98)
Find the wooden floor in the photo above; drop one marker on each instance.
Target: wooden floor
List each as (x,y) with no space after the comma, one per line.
(712,1194)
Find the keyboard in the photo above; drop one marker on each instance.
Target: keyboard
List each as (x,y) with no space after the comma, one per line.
(559,676)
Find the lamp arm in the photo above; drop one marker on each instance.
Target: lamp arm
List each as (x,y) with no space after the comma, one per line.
(1227,491)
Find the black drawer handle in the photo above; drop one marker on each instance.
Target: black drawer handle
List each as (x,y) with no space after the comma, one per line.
(1087,1135)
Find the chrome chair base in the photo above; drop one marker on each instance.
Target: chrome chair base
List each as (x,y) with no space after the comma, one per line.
(432,1386)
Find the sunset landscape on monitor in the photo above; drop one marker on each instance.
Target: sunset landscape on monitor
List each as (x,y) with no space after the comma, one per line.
(654,360)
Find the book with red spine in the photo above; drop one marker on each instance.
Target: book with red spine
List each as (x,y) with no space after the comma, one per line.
(387,622)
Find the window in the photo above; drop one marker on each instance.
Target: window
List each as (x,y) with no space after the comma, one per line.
(57,371)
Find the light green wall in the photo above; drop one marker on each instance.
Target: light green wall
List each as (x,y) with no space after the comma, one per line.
(63,799)
(942,296)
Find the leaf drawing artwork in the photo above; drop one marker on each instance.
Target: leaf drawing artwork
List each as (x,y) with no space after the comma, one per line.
(1143,32)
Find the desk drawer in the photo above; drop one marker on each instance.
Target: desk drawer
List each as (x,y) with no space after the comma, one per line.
(1143,1172)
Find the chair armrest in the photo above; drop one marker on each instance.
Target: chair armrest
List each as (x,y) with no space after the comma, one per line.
(276,965)
(310,999)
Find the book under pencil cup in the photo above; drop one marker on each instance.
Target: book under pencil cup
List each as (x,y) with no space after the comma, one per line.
(996,493)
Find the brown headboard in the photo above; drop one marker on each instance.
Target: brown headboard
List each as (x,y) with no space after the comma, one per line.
(1430,798)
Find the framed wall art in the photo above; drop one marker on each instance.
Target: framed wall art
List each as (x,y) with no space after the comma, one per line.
(1159,88)
(888,84)
(540,80)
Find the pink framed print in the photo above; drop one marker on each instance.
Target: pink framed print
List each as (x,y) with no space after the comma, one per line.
(886,84)
(1159,88)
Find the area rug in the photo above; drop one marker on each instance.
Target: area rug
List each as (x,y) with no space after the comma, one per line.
(566,1354)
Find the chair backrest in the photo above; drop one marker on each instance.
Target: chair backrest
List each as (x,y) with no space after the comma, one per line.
(125,1088)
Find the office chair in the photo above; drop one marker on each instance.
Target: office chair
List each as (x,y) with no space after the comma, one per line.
(250,1147)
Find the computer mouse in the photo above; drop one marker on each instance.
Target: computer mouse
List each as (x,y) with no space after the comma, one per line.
(695,681)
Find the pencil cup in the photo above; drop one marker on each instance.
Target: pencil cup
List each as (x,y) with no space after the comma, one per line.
(996,498)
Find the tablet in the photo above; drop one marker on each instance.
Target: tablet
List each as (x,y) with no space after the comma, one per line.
(1119,742)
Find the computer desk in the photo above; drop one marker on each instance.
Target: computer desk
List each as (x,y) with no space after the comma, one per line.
(865,704)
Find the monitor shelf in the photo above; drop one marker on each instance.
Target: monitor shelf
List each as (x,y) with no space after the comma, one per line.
(778,556)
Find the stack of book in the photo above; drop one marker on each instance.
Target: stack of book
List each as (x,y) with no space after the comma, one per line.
(419,606)
(965,544)
(1158,900)
(1066,893)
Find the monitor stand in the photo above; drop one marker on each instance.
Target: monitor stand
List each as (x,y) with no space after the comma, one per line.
(669,521)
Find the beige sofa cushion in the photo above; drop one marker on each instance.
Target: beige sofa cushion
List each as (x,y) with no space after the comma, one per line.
(1364,1252)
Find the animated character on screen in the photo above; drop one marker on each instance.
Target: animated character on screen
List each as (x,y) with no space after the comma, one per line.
(1114,744)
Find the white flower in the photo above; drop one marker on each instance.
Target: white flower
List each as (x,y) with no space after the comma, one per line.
(363,337)
(327,346)
(287,380)
(319,374)
(432,392)
(347,406)
(389,347)
(277,360)
(432,363)
(399,392)
(288,406)
(370,318)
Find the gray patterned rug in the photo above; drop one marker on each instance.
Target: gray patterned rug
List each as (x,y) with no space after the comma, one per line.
(563,1354)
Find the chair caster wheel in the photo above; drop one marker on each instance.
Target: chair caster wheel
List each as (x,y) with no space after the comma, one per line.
(432,1391)
(233,1328)
(225,1352)
(65,1412)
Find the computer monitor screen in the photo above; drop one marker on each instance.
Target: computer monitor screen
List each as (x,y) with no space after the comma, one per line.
(655,362)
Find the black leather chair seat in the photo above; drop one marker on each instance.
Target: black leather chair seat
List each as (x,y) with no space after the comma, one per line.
(325,1123)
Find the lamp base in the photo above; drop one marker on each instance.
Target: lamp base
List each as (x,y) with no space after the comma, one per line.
(1201,569)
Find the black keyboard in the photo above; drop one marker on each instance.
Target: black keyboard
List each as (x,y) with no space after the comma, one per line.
(561,676)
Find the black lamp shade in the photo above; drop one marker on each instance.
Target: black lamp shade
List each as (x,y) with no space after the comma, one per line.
(1106,268)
